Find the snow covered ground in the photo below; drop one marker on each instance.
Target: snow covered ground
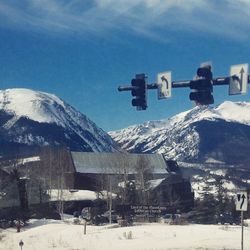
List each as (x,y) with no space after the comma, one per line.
(59,235)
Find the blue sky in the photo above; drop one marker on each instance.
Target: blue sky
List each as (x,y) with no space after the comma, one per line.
(82,50)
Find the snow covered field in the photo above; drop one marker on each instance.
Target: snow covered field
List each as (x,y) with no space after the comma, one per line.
(59,235)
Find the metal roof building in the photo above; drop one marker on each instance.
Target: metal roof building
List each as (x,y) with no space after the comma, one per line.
(115,163)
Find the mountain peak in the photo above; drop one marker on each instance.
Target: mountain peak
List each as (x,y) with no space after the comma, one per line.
(201,132)
(36,105)
(36,118)
(235,111)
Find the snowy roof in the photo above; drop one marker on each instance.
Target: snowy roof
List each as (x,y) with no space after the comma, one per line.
(8,166)
(67,195)
(116,162)
(77,195)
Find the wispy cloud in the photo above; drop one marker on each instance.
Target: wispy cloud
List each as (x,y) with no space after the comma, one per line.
(145,17)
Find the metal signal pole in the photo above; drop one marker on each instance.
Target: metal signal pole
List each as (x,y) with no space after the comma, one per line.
(242,231)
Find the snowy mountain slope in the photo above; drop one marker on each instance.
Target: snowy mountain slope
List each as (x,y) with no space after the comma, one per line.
(33,118)
(196,135)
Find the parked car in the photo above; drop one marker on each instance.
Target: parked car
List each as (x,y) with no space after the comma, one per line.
(99,220)
(125,220)
(114,216)
(227,218)
(170,218)
(166,218)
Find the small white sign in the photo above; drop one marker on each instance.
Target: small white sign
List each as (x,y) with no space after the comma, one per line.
(164,82)
(241,201)
(239,79)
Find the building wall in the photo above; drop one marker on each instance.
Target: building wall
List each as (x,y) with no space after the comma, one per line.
(56,170)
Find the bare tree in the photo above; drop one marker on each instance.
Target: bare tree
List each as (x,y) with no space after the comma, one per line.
(143,176)
(56,163)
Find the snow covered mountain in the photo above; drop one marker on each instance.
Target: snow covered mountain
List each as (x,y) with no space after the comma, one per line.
(30,119)
(202,134)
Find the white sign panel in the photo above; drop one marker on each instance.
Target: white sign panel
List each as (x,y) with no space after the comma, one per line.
(164,85)
(241,201)
(239,79)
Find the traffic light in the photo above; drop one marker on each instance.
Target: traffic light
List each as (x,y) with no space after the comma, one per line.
(139,91)
(202,86)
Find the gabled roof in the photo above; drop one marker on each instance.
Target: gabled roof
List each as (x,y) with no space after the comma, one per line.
(115,163)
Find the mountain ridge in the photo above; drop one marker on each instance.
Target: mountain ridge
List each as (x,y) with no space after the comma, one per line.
(34,118)
(193,135)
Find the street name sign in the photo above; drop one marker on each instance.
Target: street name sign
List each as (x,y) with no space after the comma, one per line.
(164,85)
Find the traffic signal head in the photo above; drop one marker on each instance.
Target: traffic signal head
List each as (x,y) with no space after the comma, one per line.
(205,72)
(139,91)
(202,86)
(202,97)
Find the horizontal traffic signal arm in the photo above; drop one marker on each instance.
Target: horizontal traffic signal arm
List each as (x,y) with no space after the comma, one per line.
(181,84)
